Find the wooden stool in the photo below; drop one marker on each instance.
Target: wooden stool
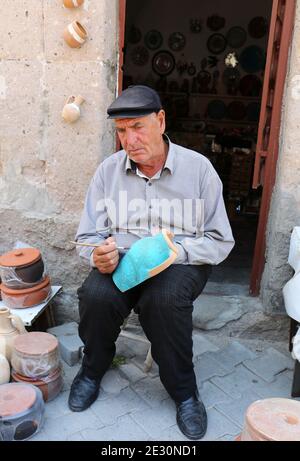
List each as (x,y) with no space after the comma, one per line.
(272,419)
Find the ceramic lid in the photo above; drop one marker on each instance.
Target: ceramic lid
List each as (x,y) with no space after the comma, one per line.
(20,257)
(16,292)
(16,398)
(35,343)
(274,419)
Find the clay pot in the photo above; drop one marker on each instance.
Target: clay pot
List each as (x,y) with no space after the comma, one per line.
(27,297)
(71,110)
(35,354)
(272,419)
(11,326)
(50,385)
(21,268)
(72,3)
(4,370)
(75,34)
(21,411)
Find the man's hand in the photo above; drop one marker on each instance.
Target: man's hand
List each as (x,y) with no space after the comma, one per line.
(106,256)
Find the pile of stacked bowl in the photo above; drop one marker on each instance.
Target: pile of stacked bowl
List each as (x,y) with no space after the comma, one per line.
(24,279)
(35,360)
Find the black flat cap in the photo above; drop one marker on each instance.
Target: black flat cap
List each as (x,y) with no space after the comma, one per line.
(135,101)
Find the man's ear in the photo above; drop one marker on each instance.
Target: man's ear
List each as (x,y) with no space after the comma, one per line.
(162,120)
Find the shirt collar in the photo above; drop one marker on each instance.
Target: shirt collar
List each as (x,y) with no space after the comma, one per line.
(169,164)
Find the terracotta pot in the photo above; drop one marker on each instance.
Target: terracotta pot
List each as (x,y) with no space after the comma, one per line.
(50,385)
(11,326)
(71,110)
(35,354)
(272,420)
(72,3)
(28,297)
(21,268)
(75,34)
(21,411)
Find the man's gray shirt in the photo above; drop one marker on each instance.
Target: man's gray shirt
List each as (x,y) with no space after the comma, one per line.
(185,197)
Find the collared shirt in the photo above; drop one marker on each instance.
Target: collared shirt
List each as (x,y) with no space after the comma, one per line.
(185,196)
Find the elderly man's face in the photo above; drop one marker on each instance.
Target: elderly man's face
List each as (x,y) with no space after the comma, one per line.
(142,137)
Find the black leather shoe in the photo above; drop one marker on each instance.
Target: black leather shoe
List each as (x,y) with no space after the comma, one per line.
(192,418)
(84,391)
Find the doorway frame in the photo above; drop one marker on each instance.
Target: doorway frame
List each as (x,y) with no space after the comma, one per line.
(270,163)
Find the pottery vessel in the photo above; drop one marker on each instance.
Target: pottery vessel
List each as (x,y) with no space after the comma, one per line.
(21,411)
(27,297)
(35,355)
(50,385)
(71,110)
(4,370)
(11,326)
(75,34)
(273,419)
(72,3)
(21,268)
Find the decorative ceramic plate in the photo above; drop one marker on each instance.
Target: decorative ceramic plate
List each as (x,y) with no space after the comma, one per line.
(153,39)
(250,85)
(236,37)
(216,43)
(258,27)
(140,55)
(252,59)
(176,41)
(163,63)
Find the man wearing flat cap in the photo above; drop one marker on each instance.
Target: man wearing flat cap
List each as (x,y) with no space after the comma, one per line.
(149,185)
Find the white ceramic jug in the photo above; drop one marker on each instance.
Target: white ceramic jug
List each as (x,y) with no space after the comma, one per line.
(71,110)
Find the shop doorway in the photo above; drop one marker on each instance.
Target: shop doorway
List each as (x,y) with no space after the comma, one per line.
(215,65)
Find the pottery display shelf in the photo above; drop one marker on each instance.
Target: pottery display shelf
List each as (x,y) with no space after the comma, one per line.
(30,314)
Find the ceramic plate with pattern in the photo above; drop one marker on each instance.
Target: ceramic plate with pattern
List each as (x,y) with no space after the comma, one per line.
(176,41)
(163,63)
(153,39)
(216,43)
(236,37)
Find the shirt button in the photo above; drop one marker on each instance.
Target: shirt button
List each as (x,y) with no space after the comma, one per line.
(149,183)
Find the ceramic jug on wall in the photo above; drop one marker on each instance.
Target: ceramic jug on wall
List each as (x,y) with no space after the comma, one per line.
(75,34)
(10,327)
(71,110)
(72,3)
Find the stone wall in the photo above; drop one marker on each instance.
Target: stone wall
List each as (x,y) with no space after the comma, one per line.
(285,205)
(45,163)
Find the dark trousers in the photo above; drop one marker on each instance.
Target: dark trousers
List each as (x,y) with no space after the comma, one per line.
(164,304)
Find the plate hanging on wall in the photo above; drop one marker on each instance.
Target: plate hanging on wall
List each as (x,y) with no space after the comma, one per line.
(236,37)
(153,39)
(258,27)
(216,43)
(176,41)
(163,63)
(252,59)
(140,55)
(236,110)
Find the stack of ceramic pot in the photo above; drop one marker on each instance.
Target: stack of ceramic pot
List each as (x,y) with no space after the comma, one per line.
(24,279)
(35,360)
(21,411)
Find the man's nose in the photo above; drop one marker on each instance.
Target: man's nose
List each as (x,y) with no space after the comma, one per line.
(131,137)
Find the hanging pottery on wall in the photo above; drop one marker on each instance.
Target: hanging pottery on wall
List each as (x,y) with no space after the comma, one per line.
(75,34)
(72,3)
(71,110)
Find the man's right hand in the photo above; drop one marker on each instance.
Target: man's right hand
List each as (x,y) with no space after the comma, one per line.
(106,256)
